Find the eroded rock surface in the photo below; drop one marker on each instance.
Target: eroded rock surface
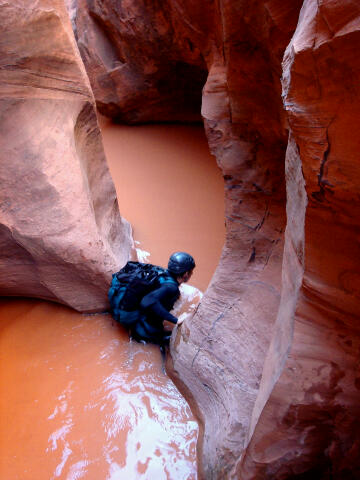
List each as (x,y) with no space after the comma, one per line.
(270,359)
(61,233)
(141,61)
(310,386)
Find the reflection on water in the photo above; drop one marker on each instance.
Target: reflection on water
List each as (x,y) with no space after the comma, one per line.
(81,401)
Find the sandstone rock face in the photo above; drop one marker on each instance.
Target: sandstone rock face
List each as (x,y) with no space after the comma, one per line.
(270,360)
(310,407)
(226,344)
(140,59)
(61,233)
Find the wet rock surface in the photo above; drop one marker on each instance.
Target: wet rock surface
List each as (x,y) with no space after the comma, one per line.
(61,234)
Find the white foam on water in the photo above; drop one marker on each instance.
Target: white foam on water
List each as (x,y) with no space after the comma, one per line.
(65,455)
(186,305)
(190,292)
(142,255)
(78,470)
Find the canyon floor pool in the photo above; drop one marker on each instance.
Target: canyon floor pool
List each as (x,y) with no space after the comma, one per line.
(78,399)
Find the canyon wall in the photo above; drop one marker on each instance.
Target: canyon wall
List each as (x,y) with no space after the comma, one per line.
(61,234)
(305,423)
(142,65)
(269,361)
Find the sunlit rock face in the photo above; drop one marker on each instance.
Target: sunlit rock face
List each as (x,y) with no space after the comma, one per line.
(61,234)
(269,361)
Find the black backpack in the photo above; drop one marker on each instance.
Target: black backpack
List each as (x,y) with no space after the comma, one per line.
(129,285)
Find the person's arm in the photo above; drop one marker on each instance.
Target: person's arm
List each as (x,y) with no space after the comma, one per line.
(153,301)
(161,312)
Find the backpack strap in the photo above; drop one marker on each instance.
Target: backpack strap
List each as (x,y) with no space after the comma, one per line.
(165,277)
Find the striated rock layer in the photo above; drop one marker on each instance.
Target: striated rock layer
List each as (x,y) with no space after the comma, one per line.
(269,361)
(310,402)
(61,234)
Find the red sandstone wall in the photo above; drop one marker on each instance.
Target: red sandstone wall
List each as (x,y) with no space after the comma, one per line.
(270,361)
(310,406)
(142,62)
(61,235)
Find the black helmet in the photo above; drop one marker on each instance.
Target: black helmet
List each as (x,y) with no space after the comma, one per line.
(180,262)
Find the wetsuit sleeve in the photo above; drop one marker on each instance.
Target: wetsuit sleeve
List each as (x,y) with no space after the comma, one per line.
(167,294)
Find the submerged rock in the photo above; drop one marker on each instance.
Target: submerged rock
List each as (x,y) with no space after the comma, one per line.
(61,233)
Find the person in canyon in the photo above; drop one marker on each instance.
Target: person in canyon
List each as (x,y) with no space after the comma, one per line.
(155,306)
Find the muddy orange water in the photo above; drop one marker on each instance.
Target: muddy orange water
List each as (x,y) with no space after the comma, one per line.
(171,191)
(78,400)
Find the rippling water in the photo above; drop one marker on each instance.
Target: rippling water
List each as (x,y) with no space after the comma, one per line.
(79,401)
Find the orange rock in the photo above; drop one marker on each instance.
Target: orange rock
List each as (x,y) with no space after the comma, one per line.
(61,233)
(306,417)
(270,360)
(141,59)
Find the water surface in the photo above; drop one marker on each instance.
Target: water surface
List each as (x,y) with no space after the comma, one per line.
(79,401)
(171,190)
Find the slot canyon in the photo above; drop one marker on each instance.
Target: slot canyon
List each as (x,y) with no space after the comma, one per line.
(268,361)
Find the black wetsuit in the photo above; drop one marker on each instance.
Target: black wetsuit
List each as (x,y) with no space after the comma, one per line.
(155,308)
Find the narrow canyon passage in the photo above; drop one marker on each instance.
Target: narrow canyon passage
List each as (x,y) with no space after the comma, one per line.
(78,399)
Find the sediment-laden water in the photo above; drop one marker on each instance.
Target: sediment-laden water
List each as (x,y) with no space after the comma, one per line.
(78,399)
(171,190)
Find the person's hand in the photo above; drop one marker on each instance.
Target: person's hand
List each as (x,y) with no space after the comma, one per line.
(180,320)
